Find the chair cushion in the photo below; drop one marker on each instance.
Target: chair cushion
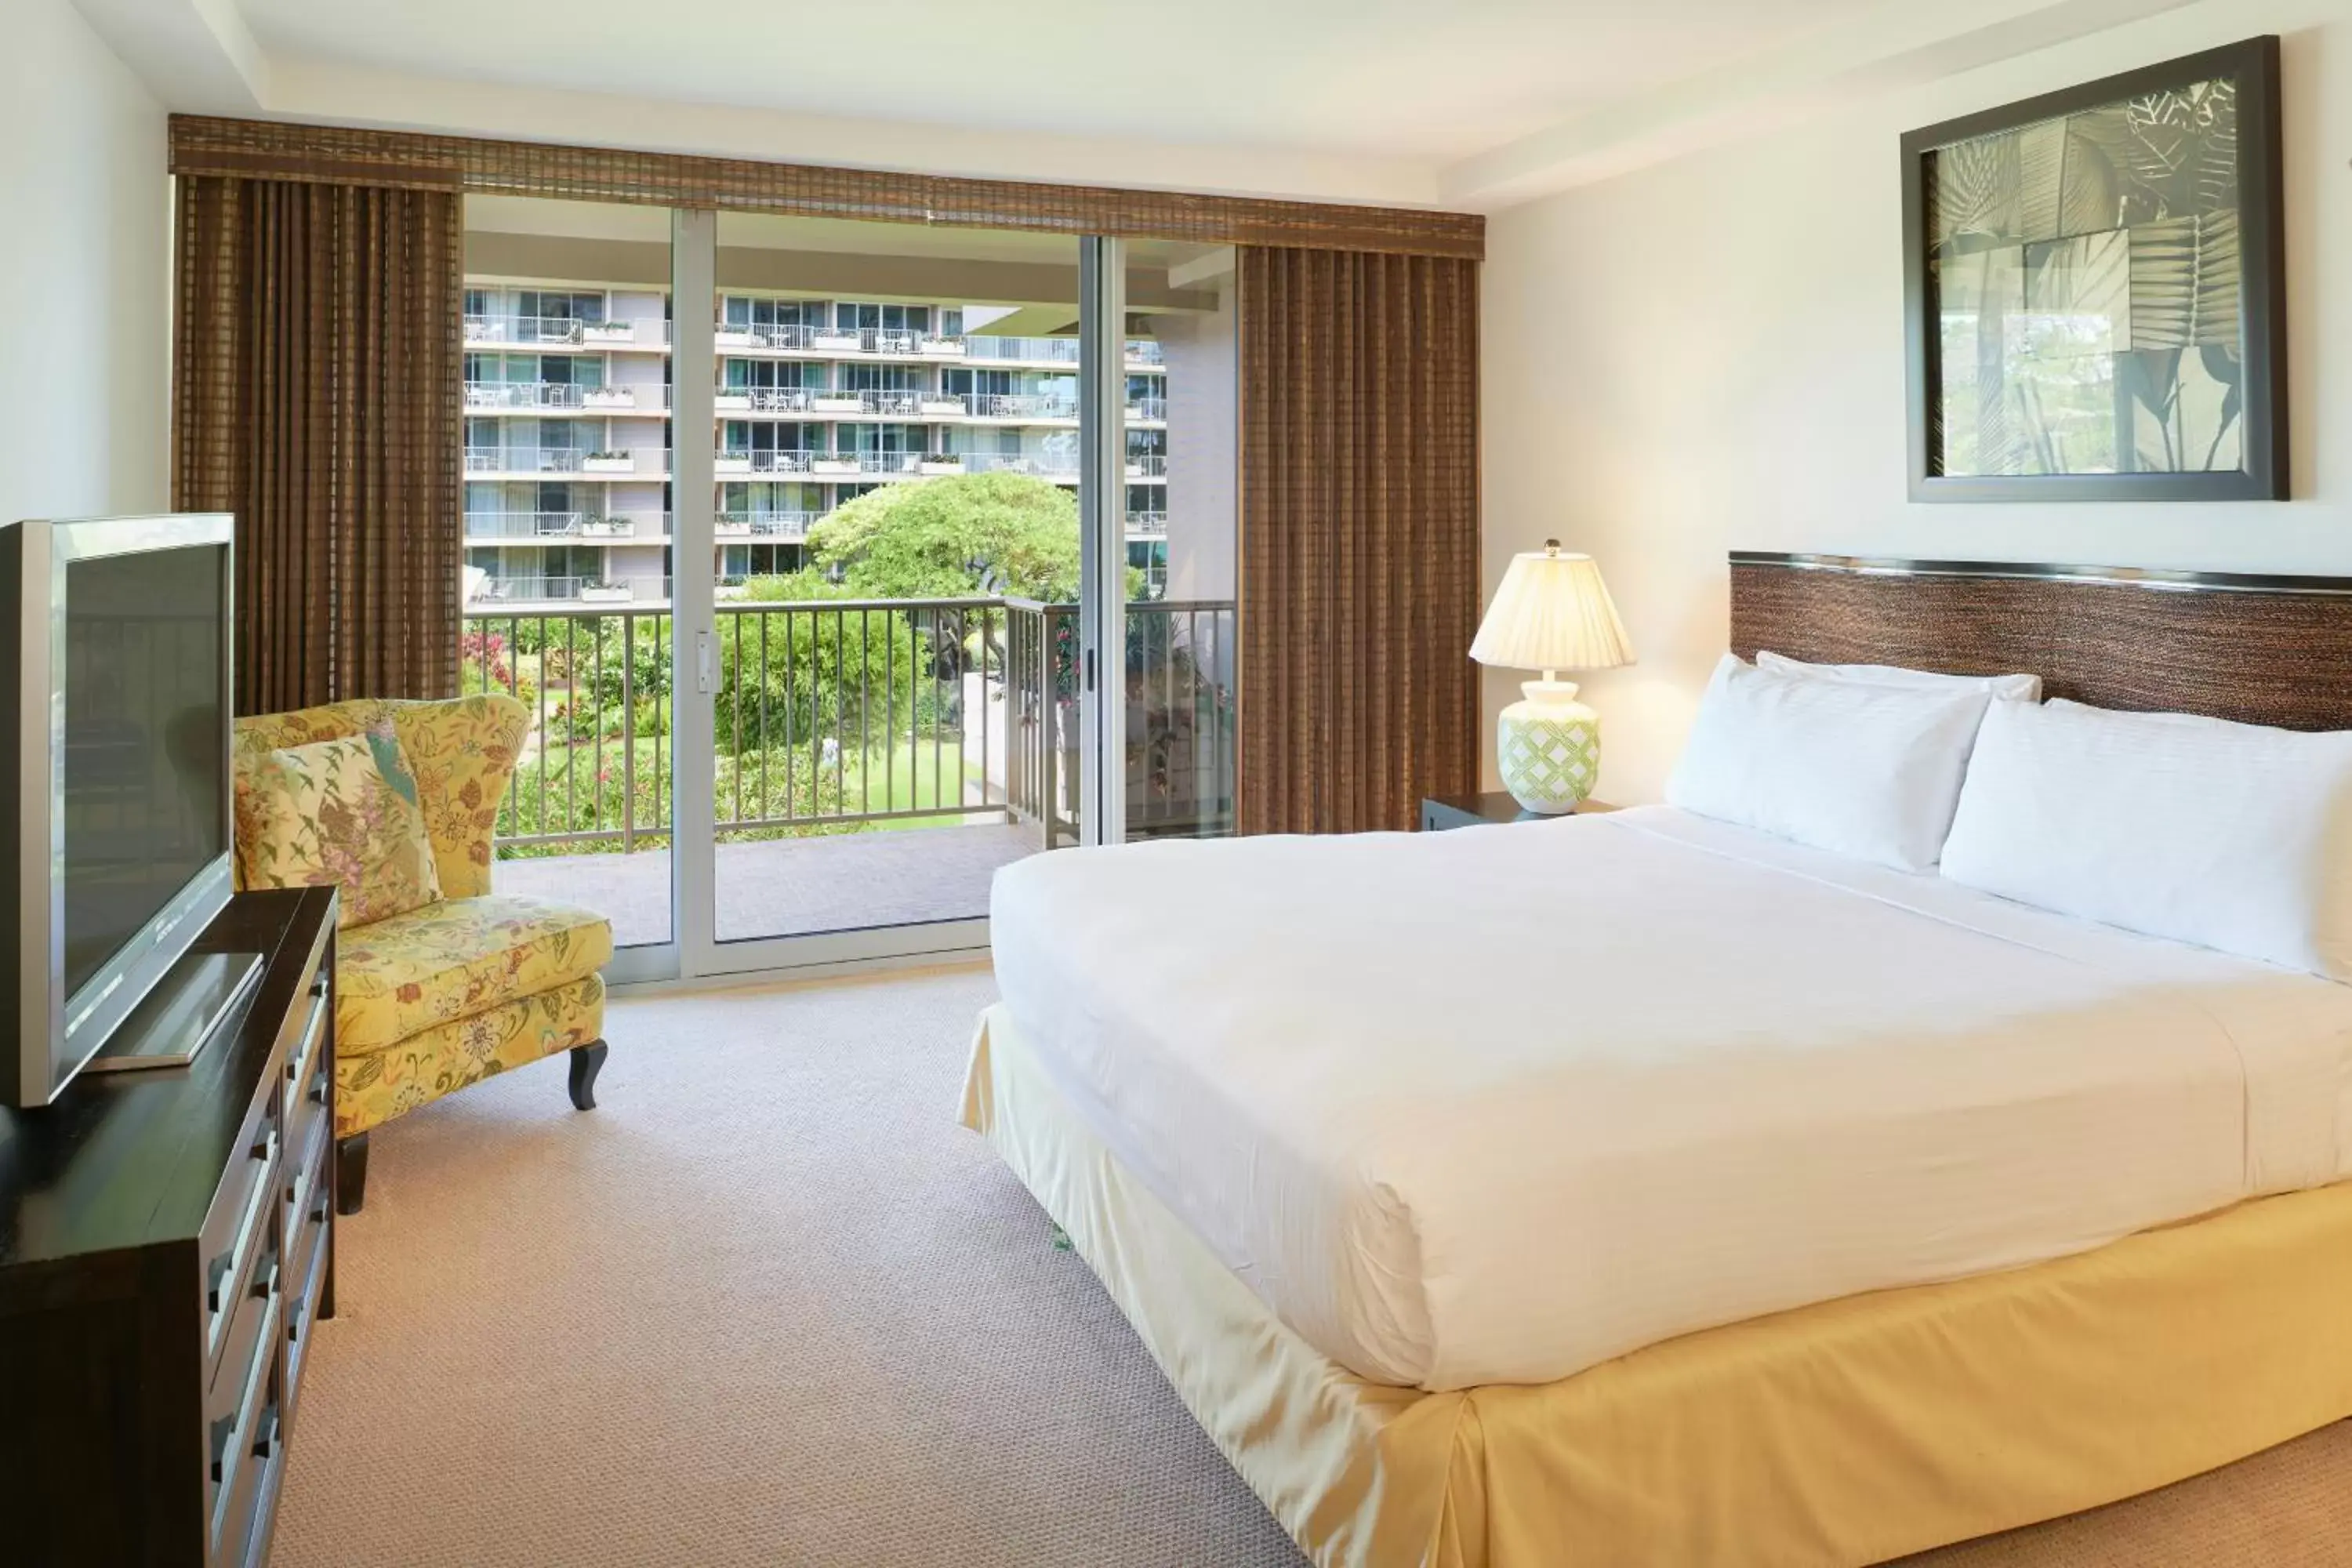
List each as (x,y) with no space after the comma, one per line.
(339,814)
(372,1088)
(455,959)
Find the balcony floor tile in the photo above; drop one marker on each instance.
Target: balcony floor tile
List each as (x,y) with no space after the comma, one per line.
(791,886)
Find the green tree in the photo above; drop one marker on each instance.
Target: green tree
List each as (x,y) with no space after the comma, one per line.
(945,538)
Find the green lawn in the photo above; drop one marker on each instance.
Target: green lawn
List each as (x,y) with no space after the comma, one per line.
(909,778)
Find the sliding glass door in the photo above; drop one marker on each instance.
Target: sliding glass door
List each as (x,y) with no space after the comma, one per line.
(840,566)
(885,705)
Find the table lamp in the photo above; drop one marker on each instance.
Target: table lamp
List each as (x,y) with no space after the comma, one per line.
(1552,612)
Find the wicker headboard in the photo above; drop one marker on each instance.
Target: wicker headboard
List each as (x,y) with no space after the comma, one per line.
(2263,650)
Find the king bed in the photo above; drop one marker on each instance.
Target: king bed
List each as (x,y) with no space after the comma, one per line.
(1647,1189)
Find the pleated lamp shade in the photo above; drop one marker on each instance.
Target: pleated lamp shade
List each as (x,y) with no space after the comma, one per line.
(1552,612)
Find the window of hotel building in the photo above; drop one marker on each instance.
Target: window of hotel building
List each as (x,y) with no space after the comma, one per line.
(764,374)
(850,316)
(881,378)
(878,438)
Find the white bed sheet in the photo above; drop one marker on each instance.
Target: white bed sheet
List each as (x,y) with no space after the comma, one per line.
(1494,1105)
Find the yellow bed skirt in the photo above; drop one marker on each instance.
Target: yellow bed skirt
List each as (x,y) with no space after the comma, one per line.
(1845,1433)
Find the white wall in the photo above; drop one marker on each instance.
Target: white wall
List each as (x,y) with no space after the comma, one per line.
(1708,355)
(85,275)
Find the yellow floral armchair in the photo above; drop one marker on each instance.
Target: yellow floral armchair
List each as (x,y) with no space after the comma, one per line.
(443,996)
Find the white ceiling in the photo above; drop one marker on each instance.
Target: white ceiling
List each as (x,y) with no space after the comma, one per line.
(1380,78)
(1462,103)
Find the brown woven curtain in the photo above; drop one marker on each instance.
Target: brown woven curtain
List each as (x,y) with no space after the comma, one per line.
(1359,586)
(316,386)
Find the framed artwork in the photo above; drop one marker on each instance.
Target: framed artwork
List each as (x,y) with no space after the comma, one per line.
(2095,287)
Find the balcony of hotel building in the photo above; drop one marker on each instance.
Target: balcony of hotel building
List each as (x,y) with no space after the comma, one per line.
(950,712)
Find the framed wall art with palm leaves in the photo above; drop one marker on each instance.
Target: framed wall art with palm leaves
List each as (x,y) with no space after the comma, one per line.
(2095,287)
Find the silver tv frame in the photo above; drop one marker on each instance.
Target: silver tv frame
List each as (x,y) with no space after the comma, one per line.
(56,1034)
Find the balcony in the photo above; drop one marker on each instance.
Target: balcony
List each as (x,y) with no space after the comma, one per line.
(769,525)
(1018,406)
(1147,524)
(490,526)
(792,460)
(1023,350)
(766,399)
(1060,468)
(497,331)
(883,343)
(527,462)
(541,397)
(528,591)
(840,725)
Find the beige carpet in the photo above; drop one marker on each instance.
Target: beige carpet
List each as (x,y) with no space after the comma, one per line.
(769,1305)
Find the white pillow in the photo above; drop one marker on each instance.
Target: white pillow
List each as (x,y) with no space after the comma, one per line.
(1868,771)
(2228,836)
(2003,688)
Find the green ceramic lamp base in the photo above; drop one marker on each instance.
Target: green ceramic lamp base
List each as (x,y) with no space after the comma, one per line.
(1548,745)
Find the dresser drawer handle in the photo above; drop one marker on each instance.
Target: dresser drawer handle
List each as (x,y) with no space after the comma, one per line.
(267,1440)
(216,1276)
(265,1147)
(265,1285)
(223,1432)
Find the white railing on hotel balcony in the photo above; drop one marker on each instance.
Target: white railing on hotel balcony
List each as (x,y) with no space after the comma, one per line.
(1143,351)
(558,331)
(764,525)
(1147,465)
(1147,408)
(491,394)
(569,590)
(867,462)
(795,460)
(1019,406)
(796,338)
(1147,522)
(554,460)
(767,399)
(1027,351)
(1037,465)
(653,526)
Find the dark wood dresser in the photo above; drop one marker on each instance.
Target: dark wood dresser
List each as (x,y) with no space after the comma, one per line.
(167,1239)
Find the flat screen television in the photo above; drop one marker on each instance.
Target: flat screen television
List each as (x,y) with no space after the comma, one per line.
(118,838)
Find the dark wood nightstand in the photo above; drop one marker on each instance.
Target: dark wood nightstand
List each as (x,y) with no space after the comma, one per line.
(1439,812)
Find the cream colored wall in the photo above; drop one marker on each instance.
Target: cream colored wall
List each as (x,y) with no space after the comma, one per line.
(85,270)
(1708,355)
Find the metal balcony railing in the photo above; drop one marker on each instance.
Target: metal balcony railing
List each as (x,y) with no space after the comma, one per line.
(789,460)
(764,525)
(528,590)
(1026,351)
(798,338)
(1037,465)
(498,330)
(832,714)
(521,395)
(557,460)
(1019,406)
(767,399)
(1147,522)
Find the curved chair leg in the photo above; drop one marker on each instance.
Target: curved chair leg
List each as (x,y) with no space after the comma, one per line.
(587,1061)
(350,1172)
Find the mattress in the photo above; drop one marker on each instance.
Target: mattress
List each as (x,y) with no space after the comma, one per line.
(1493,1106)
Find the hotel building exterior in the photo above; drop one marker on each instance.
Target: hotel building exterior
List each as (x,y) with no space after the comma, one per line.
(569,429)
